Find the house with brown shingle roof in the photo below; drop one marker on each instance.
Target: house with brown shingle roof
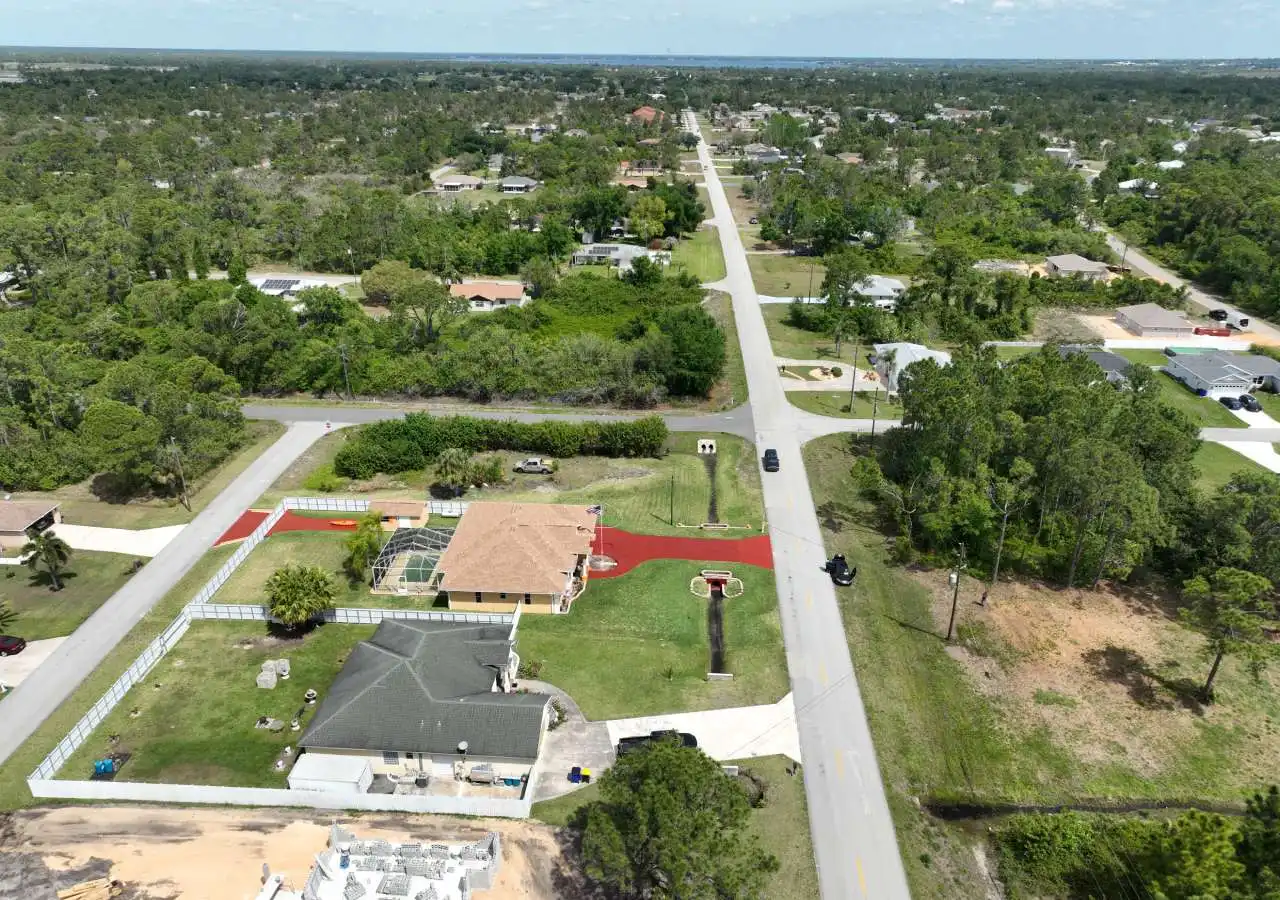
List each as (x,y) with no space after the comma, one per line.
(647,115)
(19,519)
(534,555)
(484,296)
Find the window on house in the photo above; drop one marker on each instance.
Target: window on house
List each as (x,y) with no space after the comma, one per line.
(390,757)
(502,596)
(477,596)
(528,598)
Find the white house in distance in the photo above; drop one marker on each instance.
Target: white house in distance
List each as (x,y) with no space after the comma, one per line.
(485,296)
(881,290)
(1075,266)
(621,256)
(284,285)
(891,360)
(1064,155)
(452,183)
(517,184)
(1153,320)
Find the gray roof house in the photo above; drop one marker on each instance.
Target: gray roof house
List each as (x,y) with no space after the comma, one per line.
(1221,374)
(1113,365)
(891,360)
(517,184)
(1073,264)
(427,687)
(881,290)
(620,255)
(1151,319)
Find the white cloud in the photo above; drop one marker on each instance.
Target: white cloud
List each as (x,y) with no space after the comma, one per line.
(1002,4)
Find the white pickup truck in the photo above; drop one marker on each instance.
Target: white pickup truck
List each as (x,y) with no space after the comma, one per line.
(535,465)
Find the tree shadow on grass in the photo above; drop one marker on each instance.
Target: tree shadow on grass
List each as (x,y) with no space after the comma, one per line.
(1146,686)
(42,579)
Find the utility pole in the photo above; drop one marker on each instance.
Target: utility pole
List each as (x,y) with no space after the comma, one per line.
(346,375)
(875,408)
(853,382)
(672,496)
(955,593)
(182,478)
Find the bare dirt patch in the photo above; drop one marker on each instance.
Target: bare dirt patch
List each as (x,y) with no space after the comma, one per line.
(217,854)
(1111,674)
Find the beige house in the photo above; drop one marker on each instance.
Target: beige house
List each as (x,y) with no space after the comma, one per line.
(435,699)
(1073,265)
(503,555)
(399,513)
(452,184)
(483,296)
(19,519)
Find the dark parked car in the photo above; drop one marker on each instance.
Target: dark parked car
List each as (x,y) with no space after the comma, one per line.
(1218,315)
(839,570)
(11,645)
(1230,402)
(754,221)
(1250,402)
(771,463)
(629,744)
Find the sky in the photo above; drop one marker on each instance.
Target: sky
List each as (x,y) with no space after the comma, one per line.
(1021,29)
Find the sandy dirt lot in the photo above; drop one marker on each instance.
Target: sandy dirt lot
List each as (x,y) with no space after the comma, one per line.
(217,854)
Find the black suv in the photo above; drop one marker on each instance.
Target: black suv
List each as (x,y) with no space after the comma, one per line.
(771,463)
(1250,402)
(1218,315)
(630,744)
(1230,402)
(840,571)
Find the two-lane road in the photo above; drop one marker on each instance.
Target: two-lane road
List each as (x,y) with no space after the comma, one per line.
(853,836)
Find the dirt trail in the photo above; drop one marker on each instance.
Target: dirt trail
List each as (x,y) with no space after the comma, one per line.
(217,854)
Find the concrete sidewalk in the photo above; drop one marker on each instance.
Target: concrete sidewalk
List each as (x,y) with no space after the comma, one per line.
(146,542)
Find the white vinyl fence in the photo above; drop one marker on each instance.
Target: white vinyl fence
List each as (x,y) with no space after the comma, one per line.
(42,782)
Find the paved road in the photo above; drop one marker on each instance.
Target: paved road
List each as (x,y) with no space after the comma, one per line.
(734,421)
(45,688)
(853,836)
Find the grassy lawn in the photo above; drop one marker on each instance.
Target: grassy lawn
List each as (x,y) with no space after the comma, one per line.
(790,342)
(636,645)
(1143,357)
(1204,412)
(1006,353)
(701,254)
(777,275)
(192,720)
(13,774)
(1217,464)
(81,507)
(731,390)
(782,825)
(636,493)
(88,581)
(836,403)
(969,722)
(1270,403)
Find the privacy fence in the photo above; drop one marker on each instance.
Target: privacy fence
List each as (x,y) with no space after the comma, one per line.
(42,781)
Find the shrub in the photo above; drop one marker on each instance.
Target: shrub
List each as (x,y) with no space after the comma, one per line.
(323,479)
(410,443)
(837,372)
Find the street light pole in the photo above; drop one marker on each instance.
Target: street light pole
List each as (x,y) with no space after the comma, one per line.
(955,593)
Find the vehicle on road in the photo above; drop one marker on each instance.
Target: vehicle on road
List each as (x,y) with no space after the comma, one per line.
(535,465)
(631,744)
(1250,402)
(1218,315)
(1238,321)
(10,646)
(1230,402)
(754,220)
(771,462)
(840,571)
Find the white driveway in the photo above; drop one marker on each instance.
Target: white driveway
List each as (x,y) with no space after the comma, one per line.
(1261,452)
(147,542)
(15,669)
(743,732)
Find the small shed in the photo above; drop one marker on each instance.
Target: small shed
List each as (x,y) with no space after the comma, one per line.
(331,773)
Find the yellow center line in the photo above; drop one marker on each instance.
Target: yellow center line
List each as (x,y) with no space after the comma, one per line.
(808,599)
(822,673)
(840,765)
(862,876)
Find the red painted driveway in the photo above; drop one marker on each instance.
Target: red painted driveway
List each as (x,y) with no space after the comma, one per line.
(290,521)
(632,549)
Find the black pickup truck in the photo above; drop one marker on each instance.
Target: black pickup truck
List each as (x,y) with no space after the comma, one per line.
(629,744)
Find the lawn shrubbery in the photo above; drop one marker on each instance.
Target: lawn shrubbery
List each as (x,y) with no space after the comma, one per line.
(411,443)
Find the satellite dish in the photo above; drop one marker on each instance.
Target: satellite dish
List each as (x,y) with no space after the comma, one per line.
(462,747)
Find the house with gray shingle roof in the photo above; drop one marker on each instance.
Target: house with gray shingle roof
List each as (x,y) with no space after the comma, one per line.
(428,697)
(1222,374)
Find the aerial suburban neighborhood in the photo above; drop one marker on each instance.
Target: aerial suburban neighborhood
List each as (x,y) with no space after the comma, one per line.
(478,478)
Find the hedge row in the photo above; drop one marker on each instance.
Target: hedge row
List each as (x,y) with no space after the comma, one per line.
(407,444)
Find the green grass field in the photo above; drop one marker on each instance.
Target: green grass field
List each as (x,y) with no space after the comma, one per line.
(790,342)
(836,403)
(89,580)
(782,824)
(701,254)
(731,390)
(197,727)
(1007,353)
(636,645)
(636,493)
(81,507)
(1204,412)
(1143,357)
(778,275)
(1216,465)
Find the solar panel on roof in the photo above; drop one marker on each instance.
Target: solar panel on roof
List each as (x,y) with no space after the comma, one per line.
(280,284)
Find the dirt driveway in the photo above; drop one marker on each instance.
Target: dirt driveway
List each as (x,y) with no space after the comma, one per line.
(217,854)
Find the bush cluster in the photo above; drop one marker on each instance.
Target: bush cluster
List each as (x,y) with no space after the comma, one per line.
(410,443)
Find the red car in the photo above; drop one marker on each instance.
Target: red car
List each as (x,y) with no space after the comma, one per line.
(11,645)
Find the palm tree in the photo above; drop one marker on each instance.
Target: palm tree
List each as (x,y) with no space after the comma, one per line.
(297,594)
(453,469)
(7,615)
(49,550)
